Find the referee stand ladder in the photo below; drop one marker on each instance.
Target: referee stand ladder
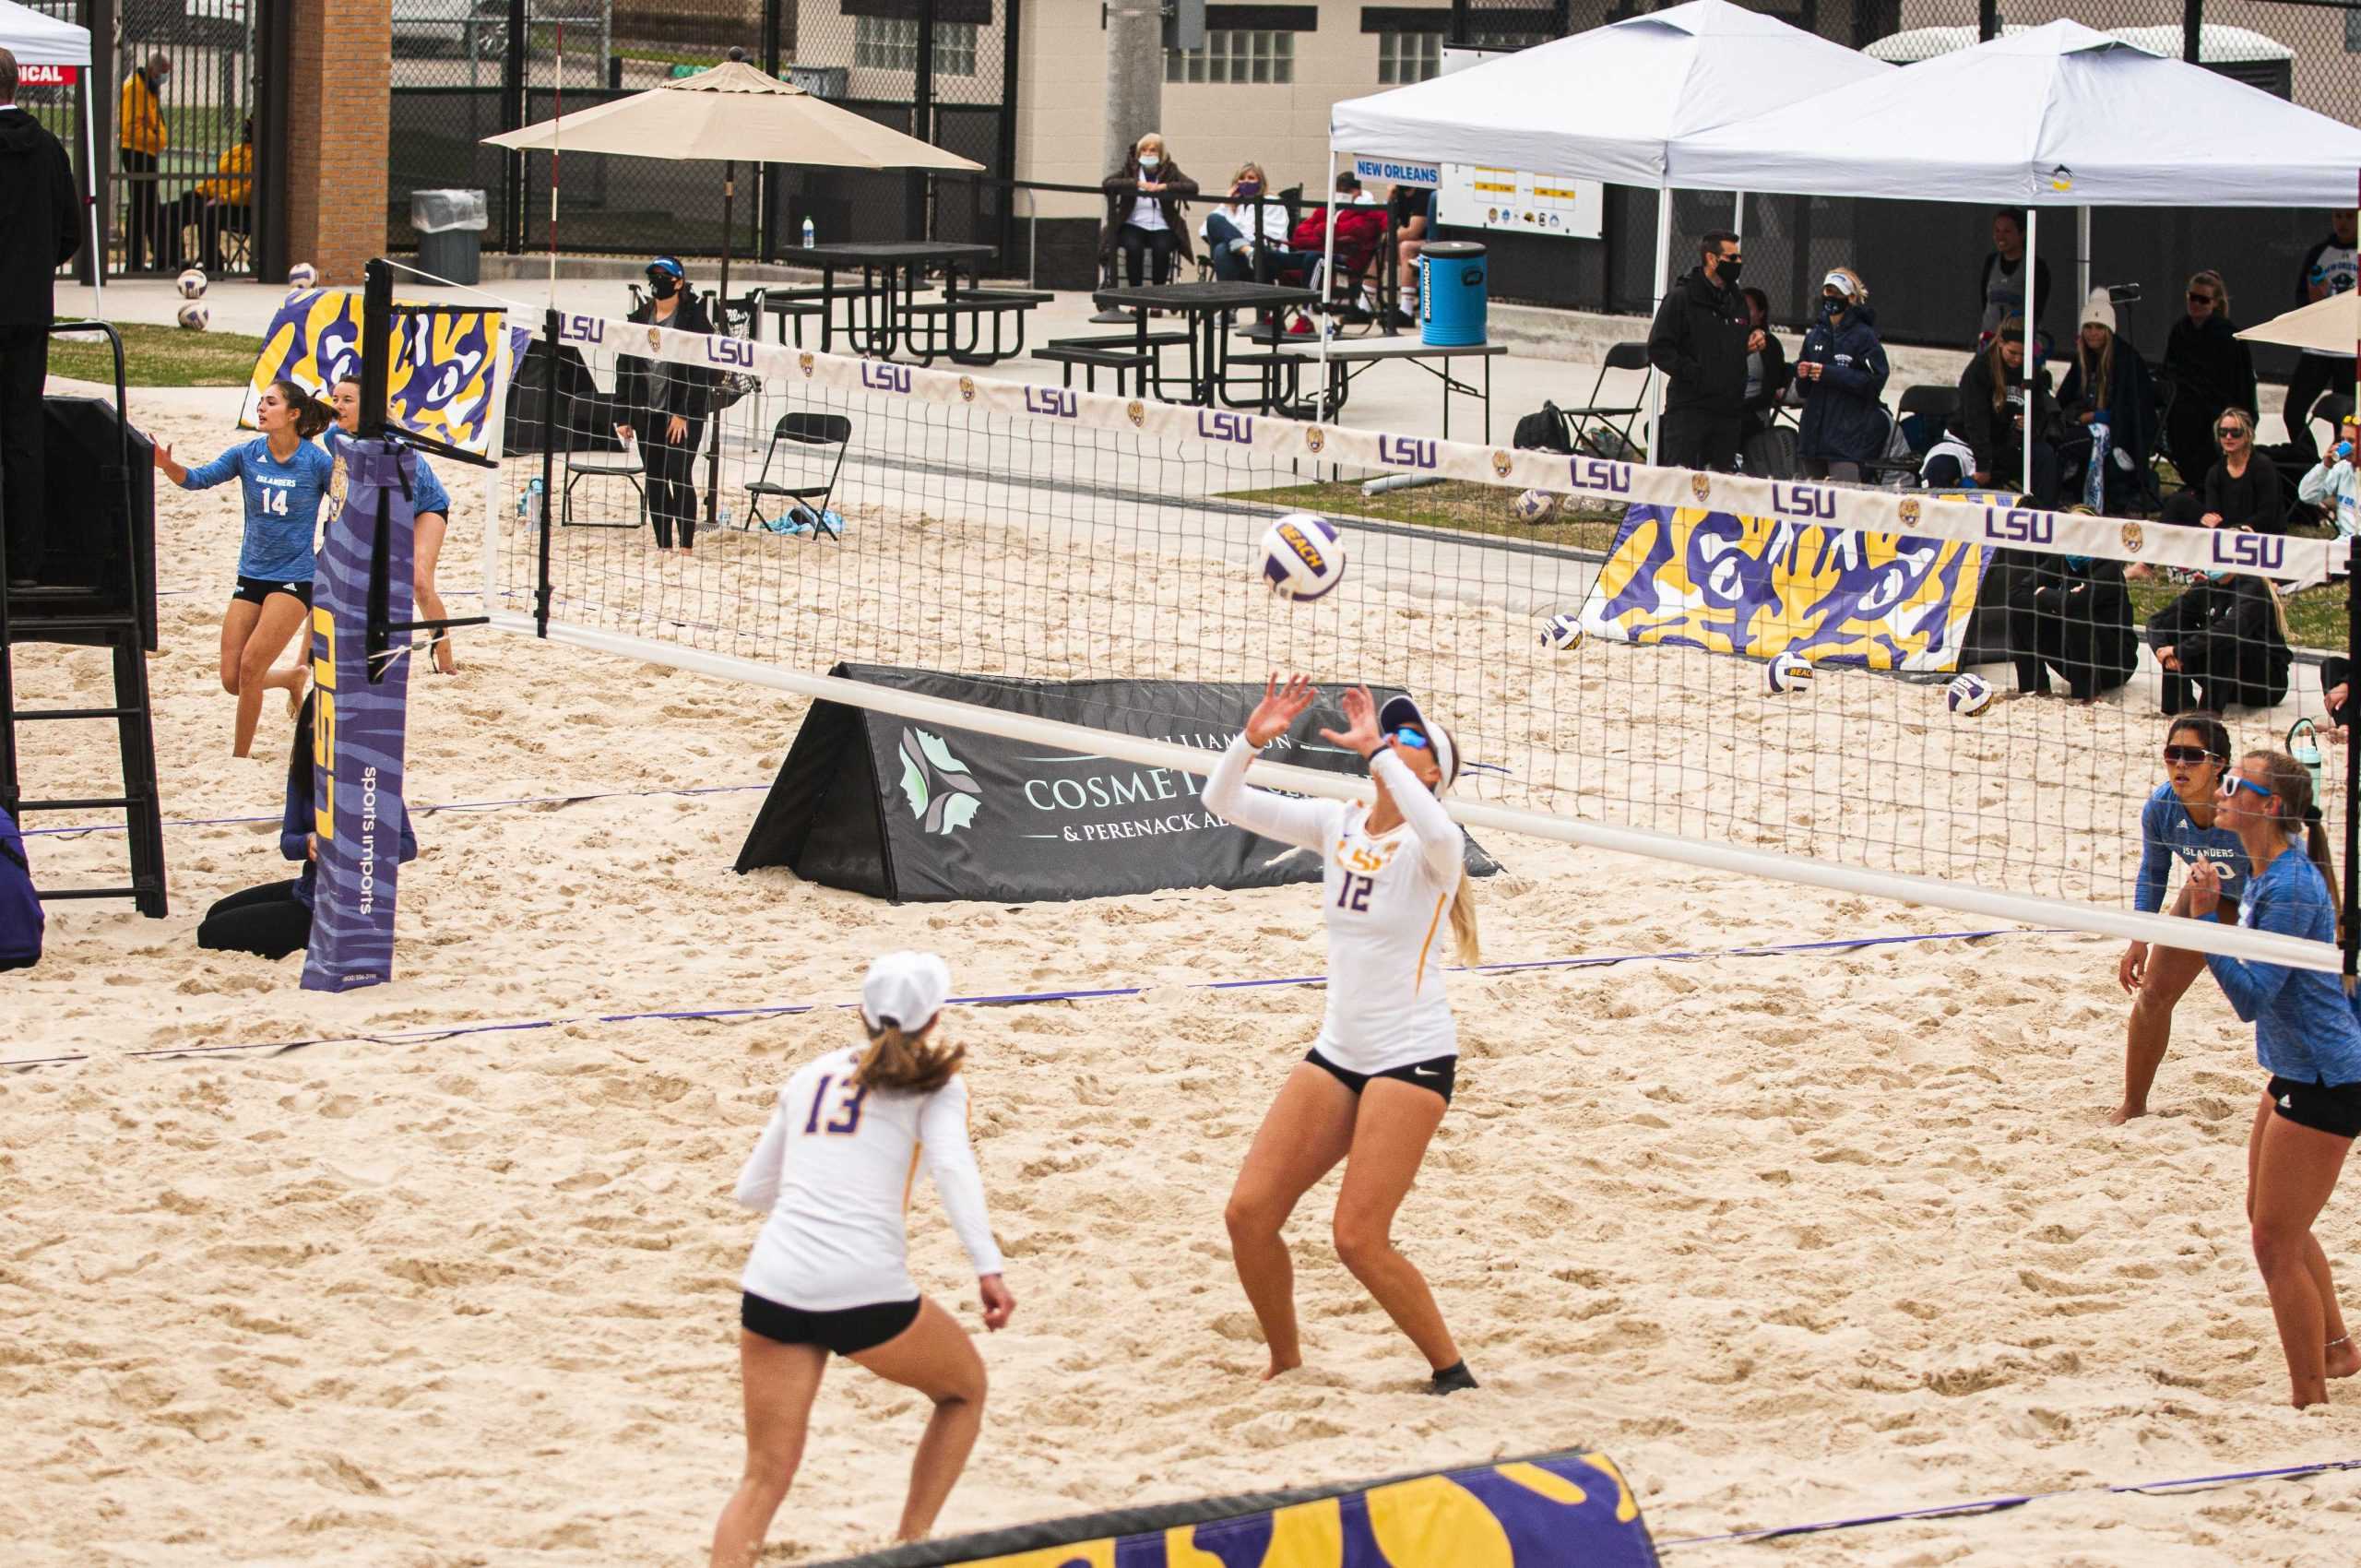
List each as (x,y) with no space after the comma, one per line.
(98,589)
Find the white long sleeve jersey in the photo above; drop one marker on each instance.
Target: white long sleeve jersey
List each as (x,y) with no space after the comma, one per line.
(1386,900)
(835,1167)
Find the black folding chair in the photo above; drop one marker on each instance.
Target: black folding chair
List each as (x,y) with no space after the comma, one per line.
(803,430)
(1619,356)
(1934,400)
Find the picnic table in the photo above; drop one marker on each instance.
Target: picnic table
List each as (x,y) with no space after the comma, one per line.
(1205,306)
(1348,360)
(887,314)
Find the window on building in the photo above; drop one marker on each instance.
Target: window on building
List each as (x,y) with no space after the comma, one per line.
(890,43)
(1235,54)
(1406,58)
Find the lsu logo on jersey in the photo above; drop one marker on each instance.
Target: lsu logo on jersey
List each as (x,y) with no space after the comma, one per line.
(1363,858)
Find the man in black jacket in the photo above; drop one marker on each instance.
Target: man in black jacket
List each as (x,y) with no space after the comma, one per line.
(37,233)
(1700,342)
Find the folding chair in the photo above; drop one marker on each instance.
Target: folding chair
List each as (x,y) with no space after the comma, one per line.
(1935,400)
(625,465)
(804,430)
(1619,356)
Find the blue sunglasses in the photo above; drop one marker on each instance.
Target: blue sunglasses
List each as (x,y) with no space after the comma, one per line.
(1410,738)
(2234,782)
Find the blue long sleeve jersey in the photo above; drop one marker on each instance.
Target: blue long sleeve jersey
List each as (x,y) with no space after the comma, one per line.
(2168,834)
(282,506)
(2304,1027)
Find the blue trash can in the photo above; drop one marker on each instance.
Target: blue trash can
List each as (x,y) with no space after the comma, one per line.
(1451,294)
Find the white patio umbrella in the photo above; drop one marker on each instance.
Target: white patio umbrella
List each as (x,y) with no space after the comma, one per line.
(2055,116)
(1606,104)
(736,114)
(37,39)
(2332,325)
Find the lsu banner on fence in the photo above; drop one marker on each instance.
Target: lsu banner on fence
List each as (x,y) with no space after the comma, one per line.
(1561,1510)
(446,368)
(358,730)
(1764,585)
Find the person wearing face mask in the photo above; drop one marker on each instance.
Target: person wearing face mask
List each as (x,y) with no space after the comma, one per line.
(669,400)
(1700,340)
(1990,418)
(2223,644)
(1246,238)
(2071,613)
(1841,373)
(141,137)
(1144,215)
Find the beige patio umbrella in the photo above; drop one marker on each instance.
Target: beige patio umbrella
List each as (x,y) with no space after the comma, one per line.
(2332,325)
(735,114)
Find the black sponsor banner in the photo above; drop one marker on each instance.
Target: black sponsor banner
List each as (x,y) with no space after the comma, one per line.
(915,812)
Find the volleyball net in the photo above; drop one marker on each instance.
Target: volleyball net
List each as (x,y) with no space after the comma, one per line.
(1741,673)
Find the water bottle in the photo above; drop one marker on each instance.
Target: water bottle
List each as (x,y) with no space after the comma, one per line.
(2304,746)
(528,505)
(811,236)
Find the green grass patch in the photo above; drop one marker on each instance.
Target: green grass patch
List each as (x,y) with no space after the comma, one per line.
(158,356)
(1453,505)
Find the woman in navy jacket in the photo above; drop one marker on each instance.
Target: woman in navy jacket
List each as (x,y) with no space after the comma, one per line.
(1841,374)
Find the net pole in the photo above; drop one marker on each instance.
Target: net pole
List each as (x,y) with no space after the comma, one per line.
(2352,915)
(551,334)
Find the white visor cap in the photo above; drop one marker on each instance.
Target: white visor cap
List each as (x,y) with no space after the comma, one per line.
(905,989)
(1404,710)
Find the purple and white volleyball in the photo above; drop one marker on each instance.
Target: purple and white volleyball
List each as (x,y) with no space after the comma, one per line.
(1304,556)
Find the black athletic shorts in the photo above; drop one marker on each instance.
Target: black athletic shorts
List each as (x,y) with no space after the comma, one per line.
(254,590)
(2329,1108)
(1440,1074)
(847,1331)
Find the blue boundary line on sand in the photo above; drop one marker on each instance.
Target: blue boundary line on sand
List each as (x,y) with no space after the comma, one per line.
(1019,999)
(2015,1500)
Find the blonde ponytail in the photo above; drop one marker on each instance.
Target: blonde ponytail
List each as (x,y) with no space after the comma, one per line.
(909,1062)
(1462,923)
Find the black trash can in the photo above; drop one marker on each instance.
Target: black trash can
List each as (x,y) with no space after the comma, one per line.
(450,227)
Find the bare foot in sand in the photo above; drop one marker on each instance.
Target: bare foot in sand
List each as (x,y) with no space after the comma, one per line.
(2344,1357)
(2123,1113)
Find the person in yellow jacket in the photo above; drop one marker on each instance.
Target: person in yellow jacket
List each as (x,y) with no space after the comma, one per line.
(226,201)
(141,137)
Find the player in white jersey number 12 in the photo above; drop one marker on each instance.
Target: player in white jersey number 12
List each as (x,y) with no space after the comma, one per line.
(1378,1078)
(829,1272)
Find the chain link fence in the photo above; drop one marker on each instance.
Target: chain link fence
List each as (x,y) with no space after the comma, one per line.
(937,69)
(1924,260)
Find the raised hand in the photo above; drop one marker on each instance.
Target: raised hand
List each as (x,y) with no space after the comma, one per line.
(1361,723)
(1278,710)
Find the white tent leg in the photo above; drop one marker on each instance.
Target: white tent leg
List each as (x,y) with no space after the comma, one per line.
(91,163)
(1664,287)
(1738,216)
(2082,262)
(2032,347)
(1321,410)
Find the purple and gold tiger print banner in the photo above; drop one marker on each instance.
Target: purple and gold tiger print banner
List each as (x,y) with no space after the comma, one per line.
(359,734)
(442,381)
(1759,586)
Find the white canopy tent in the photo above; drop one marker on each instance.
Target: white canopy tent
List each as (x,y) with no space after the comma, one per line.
(37,39)
(2057,116)
(1607,105)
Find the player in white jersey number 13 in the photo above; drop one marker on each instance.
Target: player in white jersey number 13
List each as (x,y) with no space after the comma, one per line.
(1378,1080)
(829,1272)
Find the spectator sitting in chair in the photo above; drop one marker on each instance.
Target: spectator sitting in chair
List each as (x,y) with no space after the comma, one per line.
(1144,215)
(1767,372)
(1246,238)
(1413,209)
(2209,369)
(1841,373)
(2334,484)
(2110,408)
(2242,491)
(1360,225)
(1991,419)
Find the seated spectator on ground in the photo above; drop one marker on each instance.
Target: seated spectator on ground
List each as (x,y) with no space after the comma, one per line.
(2110,408)
(2334,484)
(2336,696)
(1231,232)
(1990,420)
(2242,491)
(2071,613)
(2223,645)
(1413,211)
(2001,286)
(1841,372)
(1144,216)
(1767,372)
(21,917)
(2206,368)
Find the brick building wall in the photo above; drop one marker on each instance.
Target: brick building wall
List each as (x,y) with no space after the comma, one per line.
(340,73)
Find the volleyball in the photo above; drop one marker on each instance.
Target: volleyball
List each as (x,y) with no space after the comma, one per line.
(1304,556)
(1969,696)
(303,275)
(195,315)
(1787,673)
(1563,633)
(1536,505)
(190,284)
